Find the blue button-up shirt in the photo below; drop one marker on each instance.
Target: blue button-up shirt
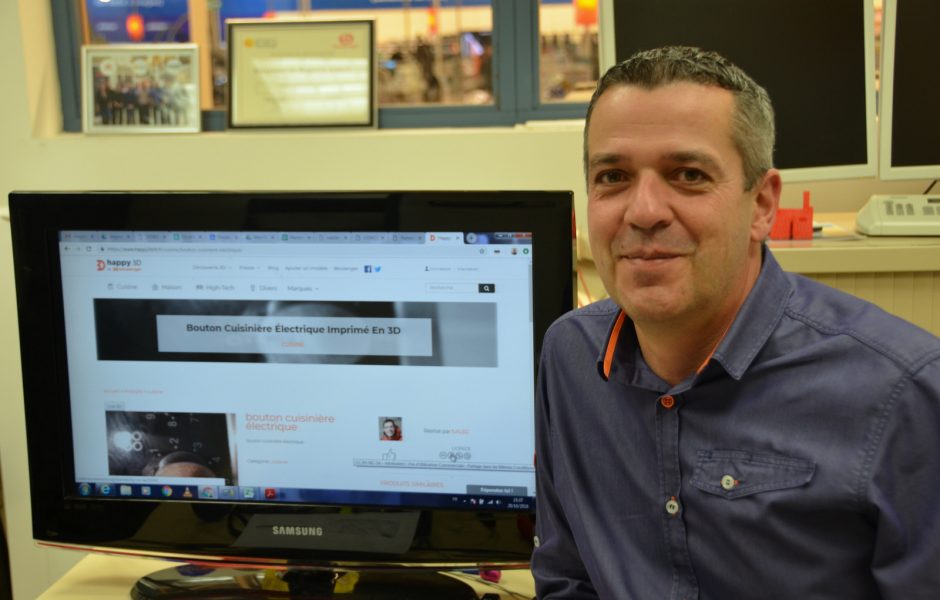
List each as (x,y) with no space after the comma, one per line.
(802,462)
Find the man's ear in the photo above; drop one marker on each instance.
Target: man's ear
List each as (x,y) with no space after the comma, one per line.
(766,202)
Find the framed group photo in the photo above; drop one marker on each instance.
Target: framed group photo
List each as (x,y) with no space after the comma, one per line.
(140,88)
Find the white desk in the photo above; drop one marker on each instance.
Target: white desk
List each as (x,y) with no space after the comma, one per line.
(100,577)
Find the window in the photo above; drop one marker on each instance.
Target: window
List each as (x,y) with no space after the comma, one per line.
(441,62)
(568,50)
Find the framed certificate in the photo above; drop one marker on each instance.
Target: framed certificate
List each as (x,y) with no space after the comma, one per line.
(140,88)
(301,73)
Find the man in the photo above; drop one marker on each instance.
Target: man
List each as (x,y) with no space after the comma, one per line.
(720,429)
(390,431)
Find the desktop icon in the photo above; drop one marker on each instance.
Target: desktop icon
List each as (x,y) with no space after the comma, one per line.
(145,490)
(249,493)
(187,493)
(126,490)
(105,489)
(167,491)
(85,489)
(228,492)
(270,493)
(207,491)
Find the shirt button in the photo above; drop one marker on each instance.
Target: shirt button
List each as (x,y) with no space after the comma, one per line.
(672,506)
(728,482)
(667,401)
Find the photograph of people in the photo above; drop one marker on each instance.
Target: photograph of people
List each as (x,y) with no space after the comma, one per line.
(390,429)
(721,428)
(139,89)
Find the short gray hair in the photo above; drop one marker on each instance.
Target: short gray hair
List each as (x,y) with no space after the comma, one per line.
(752,129)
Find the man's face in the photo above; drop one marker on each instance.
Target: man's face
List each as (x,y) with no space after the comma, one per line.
(675,237)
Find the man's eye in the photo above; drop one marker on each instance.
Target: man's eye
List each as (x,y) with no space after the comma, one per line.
(691,176)
(610,177)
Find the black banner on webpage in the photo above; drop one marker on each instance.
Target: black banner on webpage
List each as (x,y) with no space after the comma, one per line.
(452,334)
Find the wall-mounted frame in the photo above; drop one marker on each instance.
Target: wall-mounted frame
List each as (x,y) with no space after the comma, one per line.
(140,88)
(301,73)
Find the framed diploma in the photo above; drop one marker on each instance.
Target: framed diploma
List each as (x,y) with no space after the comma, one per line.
(140,88)
(301,73)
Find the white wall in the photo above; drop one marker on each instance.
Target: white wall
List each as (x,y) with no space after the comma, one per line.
(34,156)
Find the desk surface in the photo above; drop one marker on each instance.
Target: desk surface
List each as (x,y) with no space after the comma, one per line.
(841,250)
(102,577)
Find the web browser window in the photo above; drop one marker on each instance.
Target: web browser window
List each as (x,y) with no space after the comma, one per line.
(346,367)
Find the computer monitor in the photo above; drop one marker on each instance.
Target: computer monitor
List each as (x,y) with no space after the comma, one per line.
(909,119)
(816,60)
(331,380)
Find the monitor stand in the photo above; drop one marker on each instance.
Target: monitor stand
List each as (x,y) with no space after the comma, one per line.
(188,581)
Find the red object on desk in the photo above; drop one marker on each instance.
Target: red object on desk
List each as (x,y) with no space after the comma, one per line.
(794,223)
(491,575)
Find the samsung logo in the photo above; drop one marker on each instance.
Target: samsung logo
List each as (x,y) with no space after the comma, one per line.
(297,531)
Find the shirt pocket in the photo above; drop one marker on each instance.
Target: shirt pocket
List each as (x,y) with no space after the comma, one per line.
(737,473)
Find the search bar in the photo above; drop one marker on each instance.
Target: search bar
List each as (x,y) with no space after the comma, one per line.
(461,287)
(450,288)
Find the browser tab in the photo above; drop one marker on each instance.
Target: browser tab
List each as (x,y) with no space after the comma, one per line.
(443,238)
(372,238)
(333,237)
(298,238)
(193,237)
(229,237)
(408,238)
(264,237)
(153,236)
(80,236)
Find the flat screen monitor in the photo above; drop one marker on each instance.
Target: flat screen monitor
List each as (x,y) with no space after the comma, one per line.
(816,60)
(910,87)
(330,380)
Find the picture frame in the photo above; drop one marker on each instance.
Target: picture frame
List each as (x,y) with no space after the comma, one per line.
(302,73)
(140,88)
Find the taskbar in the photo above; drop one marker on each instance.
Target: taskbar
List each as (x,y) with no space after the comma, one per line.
(479,497)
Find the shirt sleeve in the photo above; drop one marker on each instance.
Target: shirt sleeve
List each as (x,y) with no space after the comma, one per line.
(904,488)
(557,566)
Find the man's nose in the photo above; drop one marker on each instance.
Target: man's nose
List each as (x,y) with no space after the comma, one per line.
(649,203)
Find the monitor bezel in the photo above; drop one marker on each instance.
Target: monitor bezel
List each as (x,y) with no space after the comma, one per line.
(803,174)
(887,169)
(62,518)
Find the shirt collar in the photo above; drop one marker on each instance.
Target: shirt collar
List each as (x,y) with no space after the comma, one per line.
(757,319)
(752,327)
